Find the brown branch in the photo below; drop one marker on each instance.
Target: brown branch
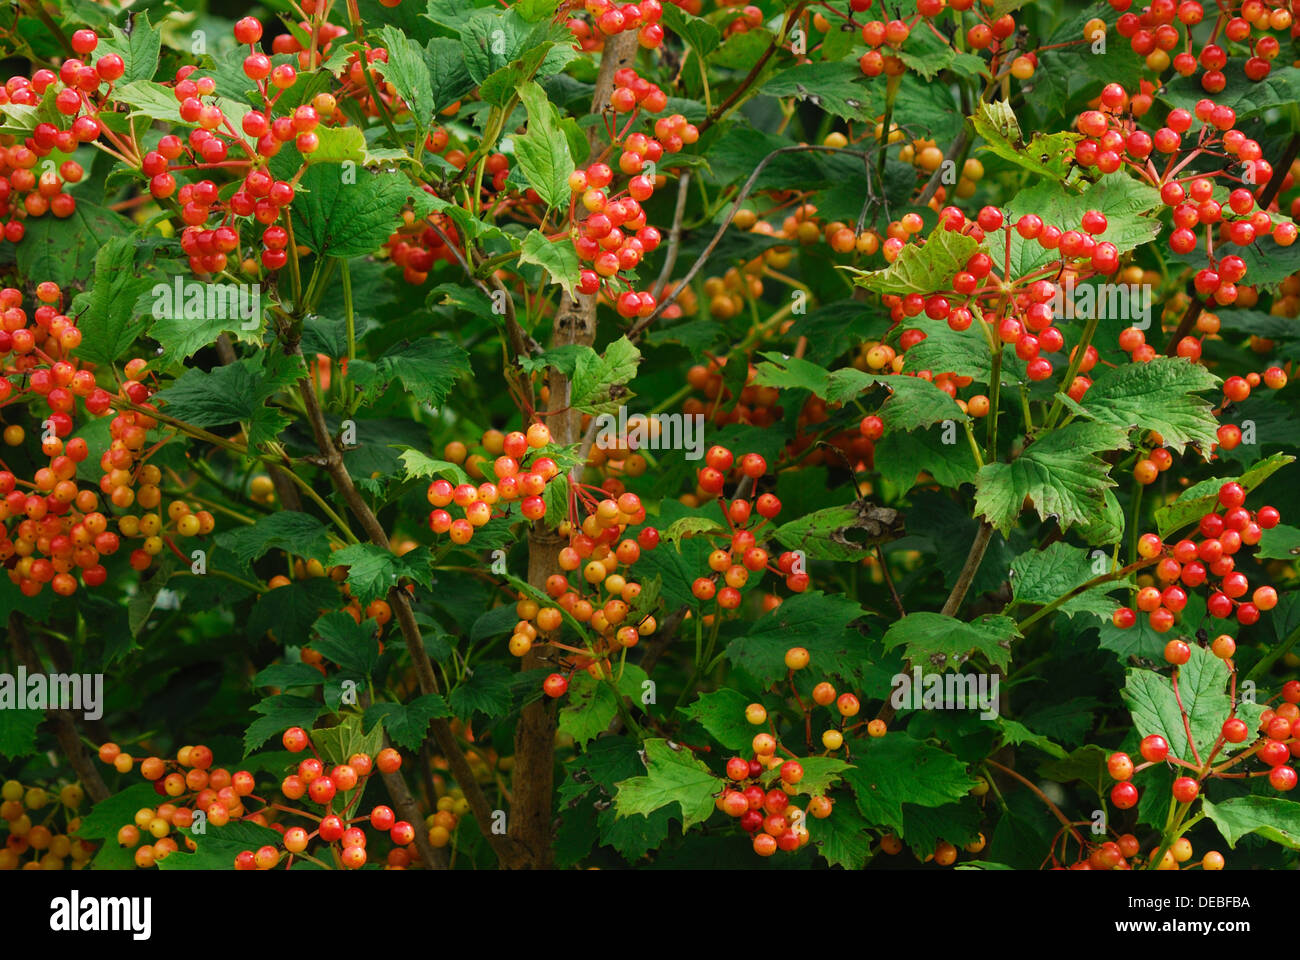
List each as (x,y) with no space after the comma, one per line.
(643,324)
(674,236)
(721,109)
(889,581)
(1056,811)
(533,778)
(971,567)
(399,600)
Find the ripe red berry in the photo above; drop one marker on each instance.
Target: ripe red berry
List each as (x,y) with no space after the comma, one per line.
(1154,748)
(1186,789)
(1124,795)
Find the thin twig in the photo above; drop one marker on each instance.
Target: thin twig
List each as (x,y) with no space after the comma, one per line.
(674,236)
(643,324)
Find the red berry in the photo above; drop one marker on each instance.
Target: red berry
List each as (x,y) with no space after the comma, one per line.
(1186,789)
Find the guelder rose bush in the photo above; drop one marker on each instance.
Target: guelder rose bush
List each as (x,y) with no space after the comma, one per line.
(846,433)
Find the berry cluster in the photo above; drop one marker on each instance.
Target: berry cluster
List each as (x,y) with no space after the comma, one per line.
(610,19)
(49,846)
(604,600)
(1209,562)
(513,482)
(79,91)
(614,236)
(194,789)
(212,216)
(731,565)
(59,527)
(341,785)
(1155,33)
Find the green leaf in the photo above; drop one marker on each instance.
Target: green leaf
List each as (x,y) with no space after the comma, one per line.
(107,817)
(407,70)
(1271,817)
(110,323)
(407,724)
(1202,684)
(683,528)
(700,35)
(417,464)
(341,145)
(1068,721)
(485,691)
(235,393)
(722,714)
(897,769)
(298,533)
(592,705)
(290,610)
(1140,640)
(912,403)
(819,775)
(1106,526)
(794,373)
(64,250)
(901,456)
(341,640)
(445,63)
(373,571)
(156,102)
(841,533)
(217,847)
(1247,97)
(1017,734)
(600,382)
(819,622)
(1047,155)
(284,676)
(1061,476)
(189,315)
(964,353)
(1160,396)
(932,640)
(1200,498)
(558,259)
(1042,576)
(1127,203)
(922,268)
(543,150)
(928,55)
(279,713)
(139,50)
(915,403)
(838,88)
(427,368)
(1085,764)
(842,838)
(1280,543)
(923,827)
(18,732)
(339,742)
(673,776)
(346,211)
